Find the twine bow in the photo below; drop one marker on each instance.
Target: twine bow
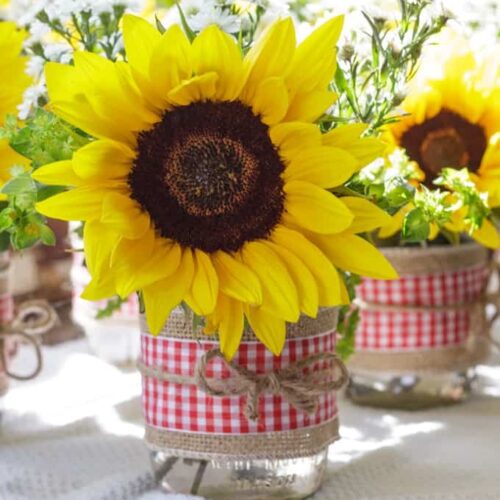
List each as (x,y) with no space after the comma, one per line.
(34,318)
(301,389)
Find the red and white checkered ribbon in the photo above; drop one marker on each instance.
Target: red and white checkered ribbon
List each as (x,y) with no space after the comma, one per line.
(178,407)
(418,329)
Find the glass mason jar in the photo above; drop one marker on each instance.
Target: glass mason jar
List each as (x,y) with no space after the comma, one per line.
(420,337)
(243,430)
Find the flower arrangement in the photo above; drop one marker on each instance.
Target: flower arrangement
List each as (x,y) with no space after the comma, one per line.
(214,187)
(442,179)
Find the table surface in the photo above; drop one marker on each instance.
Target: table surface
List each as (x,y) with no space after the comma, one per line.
(75,433)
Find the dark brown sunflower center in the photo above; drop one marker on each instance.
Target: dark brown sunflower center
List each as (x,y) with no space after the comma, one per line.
(446,140)
(209,176)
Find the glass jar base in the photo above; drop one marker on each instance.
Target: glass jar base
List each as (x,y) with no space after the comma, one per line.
(410,391)
(242,479)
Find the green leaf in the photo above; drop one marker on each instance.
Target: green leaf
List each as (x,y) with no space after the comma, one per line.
(4,241)
(47,235)
(20,184)
(7,218)
(416,228)
(159,25)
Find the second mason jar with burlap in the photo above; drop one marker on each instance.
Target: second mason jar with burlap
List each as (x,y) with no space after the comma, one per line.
(421,336)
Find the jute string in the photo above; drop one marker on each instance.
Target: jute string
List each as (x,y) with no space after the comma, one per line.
(302,390)
(34,318)
(474,350)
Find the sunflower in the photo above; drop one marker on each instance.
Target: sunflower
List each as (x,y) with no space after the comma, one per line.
(208,182)
(453,114)
(14,83)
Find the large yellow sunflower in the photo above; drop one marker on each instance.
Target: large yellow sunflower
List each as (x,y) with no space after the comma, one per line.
(14,82)
(208,180)
(453,114)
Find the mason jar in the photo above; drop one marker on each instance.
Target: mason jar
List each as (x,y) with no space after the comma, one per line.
(256,428)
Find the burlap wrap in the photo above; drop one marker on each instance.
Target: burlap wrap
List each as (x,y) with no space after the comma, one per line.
(427,261)
(271,445)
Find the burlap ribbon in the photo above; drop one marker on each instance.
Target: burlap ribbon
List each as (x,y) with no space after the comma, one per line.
(299,387)
(34,318)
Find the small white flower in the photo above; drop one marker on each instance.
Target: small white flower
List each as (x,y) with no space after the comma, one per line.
(224,20)
(35,66)
(30,98)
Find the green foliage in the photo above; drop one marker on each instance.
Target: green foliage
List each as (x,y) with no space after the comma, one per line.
(43,139)
(348,319)
(20,225)
(466,194)
(94,33)
(371,86)
(113,305)
(387,184)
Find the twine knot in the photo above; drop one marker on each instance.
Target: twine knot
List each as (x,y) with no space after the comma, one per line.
(33,319)
(297,382)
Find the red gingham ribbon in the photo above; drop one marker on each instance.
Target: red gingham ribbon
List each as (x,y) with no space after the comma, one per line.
(412,330)
(186,408)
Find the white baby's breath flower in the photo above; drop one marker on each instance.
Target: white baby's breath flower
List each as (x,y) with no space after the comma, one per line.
(35,66)
(31,98)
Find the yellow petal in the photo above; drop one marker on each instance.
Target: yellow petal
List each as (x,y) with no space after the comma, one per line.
(364,149)
(323,166)
(103,159)
(161,297)
(367,216)
(218,52)
(60,173)
(171,61)
(81,203)
(138,263)
(69,92)
(354,254)
(320,267)
(231,326)
(487,235)
(271,100)
(278,289)
(198,88)
(310,106)
(236,279)
(271,331)
(99,244)
(314,62)
(124,215)
(315,209)
(295,135)
(205,288)
(305,283)
(396,222)
(140,39)
(107,87)
(270,56)
(99,289)
(344,294)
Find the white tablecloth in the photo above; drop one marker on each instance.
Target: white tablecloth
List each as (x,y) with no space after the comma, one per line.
(75,433)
